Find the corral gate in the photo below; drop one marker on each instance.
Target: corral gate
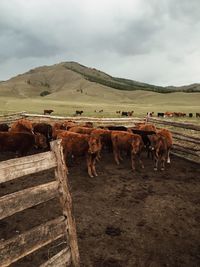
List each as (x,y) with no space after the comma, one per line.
(15,248)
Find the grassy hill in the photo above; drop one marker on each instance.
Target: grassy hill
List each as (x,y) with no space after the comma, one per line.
(72,86)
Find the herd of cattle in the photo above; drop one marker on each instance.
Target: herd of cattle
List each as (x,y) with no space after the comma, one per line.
(130,113)
(88,141)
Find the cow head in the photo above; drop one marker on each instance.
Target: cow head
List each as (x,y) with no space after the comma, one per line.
(94,145)
(137,145)
(40,141)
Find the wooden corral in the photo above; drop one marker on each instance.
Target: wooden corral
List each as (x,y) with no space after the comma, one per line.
(15,248)
(185,135)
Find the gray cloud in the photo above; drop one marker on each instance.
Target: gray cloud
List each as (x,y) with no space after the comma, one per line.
(154,41)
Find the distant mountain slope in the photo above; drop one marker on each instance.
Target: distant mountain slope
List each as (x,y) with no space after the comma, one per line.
(74,81)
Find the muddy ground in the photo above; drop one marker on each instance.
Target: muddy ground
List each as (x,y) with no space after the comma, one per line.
(144,219)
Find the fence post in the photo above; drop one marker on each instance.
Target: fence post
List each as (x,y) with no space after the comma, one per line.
(66,201)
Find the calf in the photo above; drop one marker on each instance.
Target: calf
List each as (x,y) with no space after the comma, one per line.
(160,114)
(20,143)
(128,142)
(75,144)
(161,144)
(48,111)
(79,112)
(4,127)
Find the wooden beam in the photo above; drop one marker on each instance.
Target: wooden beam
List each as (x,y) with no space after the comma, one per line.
(18,247)
(185,150)
(13,203)
(183,125)
(14,168)
(66,201)
(61,259)
(184,157)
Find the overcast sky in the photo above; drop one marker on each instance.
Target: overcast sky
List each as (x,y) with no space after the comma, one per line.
(153,41)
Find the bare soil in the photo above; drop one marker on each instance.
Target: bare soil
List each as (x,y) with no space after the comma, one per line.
(124,219)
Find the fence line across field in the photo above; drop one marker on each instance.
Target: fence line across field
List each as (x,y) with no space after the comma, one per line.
(64,226)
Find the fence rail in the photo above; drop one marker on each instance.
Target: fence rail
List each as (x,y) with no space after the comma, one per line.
(15,248)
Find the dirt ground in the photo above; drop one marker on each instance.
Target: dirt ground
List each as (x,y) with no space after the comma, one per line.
(124,219)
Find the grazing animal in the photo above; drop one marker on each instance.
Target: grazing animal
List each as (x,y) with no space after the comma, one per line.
(190,115)
(79,112)
(22,125)
(20,142)
(118,111)
(124,113)
(161,144)
(48,111)
(160,114)
(76,145)
(4,127)
(125,141)
(197,115)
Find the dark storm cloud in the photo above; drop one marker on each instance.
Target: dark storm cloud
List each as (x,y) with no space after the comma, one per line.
(154,41)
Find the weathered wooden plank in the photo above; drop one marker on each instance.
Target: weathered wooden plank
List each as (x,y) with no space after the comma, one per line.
(15,168)
(13,203)
(18,247)
(185,157)
(61,259)
(190,140)
(66,201)
(183,125)
(185,150)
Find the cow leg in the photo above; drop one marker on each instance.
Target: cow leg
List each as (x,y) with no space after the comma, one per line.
(168,158)
(156,161)
(133,161)
(140,161)
(163,158)
(116,153)
(89,166)
(94,167)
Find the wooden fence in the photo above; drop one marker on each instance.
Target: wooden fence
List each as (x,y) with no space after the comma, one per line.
(186,138)
(13,249)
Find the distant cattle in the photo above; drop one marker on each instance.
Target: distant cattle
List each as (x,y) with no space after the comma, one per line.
(190,115)
(128,142)
(4,127)
(160,114)
(127,113)
(48,111)
(197,115)
(79,112)
(118,111)
(20,142)
(169,114)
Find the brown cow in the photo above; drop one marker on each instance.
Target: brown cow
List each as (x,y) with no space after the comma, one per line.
(147,127)
(22,125)
(48,111)
(20,143)
(82,130)
(105,137)
(75,144)
(161,144)
(128,142)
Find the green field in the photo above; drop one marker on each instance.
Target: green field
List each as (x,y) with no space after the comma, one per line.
(139,101)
